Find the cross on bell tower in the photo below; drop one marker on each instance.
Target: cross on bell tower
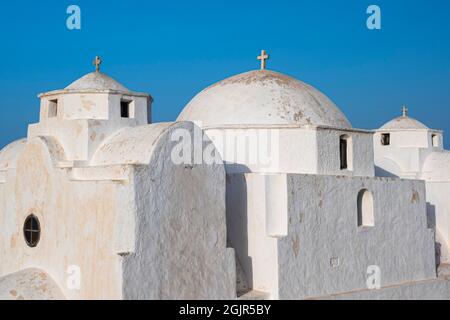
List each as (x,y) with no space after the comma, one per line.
(405,111)
(263,57)
(97,62)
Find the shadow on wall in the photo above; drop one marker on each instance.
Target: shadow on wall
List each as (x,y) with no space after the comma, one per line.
(431,223)
(237,228)
(380,172)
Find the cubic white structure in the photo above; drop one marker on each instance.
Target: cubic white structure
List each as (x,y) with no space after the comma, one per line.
(100,183)
(276,196)
(406,148)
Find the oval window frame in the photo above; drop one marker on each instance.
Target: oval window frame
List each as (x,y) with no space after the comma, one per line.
(28,232)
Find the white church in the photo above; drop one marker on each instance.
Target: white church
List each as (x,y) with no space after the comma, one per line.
(261,189)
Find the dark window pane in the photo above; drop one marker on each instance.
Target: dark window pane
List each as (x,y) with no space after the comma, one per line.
(124,109)
(31,231)
(28,224)
(34,224)
(343,153)
(385,139)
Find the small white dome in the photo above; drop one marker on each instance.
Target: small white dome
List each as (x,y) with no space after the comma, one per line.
(437,167)
(96,81)
(403,123)
(263,97)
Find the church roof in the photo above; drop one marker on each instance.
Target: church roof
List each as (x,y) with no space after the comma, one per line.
(404,123)
(263,97)
(437,167)
(96,81)
(9,154)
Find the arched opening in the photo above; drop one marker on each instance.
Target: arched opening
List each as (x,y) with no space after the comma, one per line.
(365,209)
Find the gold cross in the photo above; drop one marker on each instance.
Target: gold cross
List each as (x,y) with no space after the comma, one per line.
(405,111)
(97,62)
(263,57)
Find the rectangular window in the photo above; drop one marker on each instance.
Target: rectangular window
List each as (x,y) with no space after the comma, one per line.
(52,108)
(343,153)
(386,139)
(125,108)
(435,140)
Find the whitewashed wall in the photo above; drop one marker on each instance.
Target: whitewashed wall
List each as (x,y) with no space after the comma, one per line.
(181,247)
(360,156)
(324,251)
(310,150)
(86,120)
(77,221)
(136,225)
(438,203)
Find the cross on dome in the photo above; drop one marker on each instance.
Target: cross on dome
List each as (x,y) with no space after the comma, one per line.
(263,57)
(405,111)
(97,62)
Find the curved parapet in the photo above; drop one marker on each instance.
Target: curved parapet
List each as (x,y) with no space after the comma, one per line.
(437,167)
(180,246)
(29,284)
(10,153)
(131,146)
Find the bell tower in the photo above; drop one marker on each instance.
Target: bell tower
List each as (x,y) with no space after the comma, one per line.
(88,111)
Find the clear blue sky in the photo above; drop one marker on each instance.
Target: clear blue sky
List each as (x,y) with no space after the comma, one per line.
(174,49)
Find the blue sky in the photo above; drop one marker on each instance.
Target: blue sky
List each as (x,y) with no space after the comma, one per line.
(174,49)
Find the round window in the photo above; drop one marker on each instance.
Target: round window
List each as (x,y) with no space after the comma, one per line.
(32,230)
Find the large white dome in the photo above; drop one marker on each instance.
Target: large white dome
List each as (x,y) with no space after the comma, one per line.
(263,97)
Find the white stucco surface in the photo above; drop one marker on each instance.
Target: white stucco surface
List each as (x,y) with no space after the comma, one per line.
(311,149)
(338,252)
(180,247)
(30,284)
(437,167)
(402,123)
(416,152)
(97,180)
(9,154)
(96,81)
(319,248)
(95,218)
(292,202)
(262,97)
